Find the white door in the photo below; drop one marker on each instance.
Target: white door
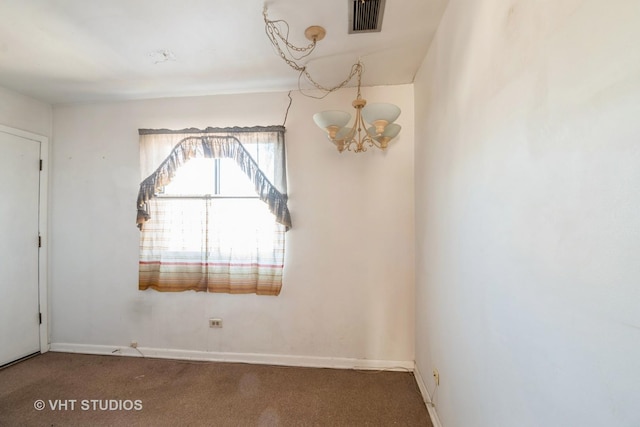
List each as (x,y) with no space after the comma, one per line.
(19,218)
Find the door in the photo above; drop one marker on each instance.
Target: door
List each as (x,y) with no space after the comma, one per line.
(19,220)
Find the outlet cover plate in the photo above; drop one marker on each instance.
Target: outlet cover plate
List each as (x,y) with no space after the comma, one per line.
(215,323)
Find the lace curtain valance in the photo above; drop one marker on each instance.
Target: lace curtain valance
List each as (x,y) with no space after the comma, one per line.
(163,151)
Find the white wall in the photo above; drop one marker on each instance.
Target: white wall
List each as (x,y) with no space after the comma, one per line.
(527,226)
(349,270)
(21,112)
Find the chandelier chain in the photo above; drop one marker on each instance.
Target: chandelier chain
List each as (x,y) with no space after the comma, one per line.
(277,38)
(356,69)
(356,138)
(272,28)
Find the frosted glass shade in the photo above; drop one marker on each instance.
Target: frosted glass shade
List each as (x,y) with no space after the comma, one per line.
(390,131)
(343,133)
(324,119)
(374,112)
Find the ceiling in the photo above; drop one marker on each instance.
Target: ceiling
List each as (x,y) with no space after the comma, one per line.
(70,51)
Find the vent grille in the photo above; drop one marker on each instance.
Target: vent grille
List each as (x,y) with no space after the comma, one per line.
(365,16)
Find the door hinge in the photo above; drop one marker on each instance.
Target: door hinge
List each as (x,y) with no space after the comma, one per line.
(40,318)
(39,241)
(40,164)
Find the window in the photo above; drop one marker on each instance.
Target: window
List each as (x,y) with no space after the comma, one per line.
(213,211)
(209,177)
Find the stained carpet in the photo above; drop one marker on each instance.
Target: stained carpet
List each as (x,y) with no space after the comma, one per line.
(61,389)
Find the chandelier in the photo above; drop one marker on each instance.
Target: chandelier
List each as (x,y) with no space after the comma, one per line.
(380,116)
(374,123)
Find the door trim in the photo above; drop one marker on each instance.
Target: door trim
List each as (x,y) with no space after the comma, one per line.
(43,255)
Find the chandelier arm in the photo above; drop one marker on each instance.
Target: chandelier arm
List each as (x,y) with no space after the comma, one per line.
(358,142)
(371,136)
(362,141)
(350,137)
(374,143)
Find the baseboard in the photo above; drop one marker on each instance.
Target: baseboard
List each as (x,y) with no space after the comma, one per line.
(426,397)
(263,359)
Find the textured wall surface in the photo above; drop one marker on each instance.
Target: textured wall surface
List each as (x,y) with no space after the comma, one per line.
(527,227)
(349,270)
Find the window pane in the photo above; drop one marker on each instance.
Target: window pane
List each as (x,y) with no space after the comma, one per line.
(233,181)
(177,226)
(240,229)
(233,229)
(194,178)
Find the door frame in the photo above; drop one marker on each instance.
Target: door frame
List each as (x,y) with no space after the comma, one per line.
(43,253)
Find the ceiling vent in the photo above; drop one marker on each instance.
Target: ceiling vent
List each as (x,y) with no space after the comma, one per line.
(365,16)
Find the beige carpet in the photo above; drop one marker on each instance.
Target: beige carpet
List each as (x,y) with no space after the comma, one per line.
(118,391)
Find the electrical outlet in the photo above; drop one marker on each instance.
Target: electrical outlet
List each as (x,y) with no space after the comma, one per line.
(215,323)
(134,344)
(436,376)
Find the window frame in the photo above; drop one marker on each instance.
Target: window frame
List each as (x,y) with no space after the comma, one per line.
(224,143)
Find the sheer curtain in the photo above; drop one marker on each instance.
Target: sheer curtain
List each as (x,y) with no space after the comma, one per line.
(214,244)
